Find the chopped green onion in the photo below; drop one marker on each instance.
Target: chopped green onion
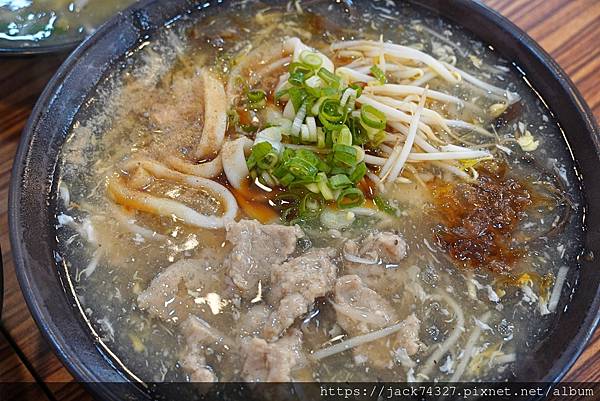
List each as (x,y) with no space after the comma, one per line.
(311,59)
(358,173)
(268,180)
(322,111)
(344,154)
(320,137)
(338,147)
(372,117)
(313,91)
(377,138)
(328,139)
(384,206)
(297,97)
(297,123)
(256,95)
(287,179)
(360,153)
(304,133)
(323,184)
(301,168)
(310,101)
(309,156)
(297,78)
(279,171)
(287,154)
(329,91)
(357,88)
(345,159)
(281,93)
(359,133)
(301,182)
(300,68)
(268,161)
(338,170)
(343,136)
(329,77)
(263,155)
(329,126)
(331,111)
(261,149)
(313,82)
(339,181)
(251,162)
(324,167)
(350,197)
(248,128)
(317,106)
(348,100)
(312,187)
(378,73)
(310,205)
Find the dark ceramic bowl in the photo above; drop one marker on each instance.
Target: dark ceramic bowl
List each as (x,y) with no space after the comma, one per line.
(33,183)
(21,51)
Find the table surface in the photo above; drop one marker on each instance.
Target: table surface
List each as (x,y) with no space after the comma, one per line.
(567,29)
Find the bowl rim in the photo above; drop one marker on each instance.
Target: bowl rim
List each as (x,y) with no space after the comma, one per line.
(24,51)
(53,335)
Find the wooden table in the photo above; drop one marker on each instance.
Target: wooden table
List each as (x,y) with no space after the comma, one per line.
(568,29)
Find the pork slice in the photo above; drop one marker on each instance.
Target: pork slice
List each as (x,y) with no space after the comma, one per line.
(256,247)
(361,310)
(373,257)
(200,337)
(372,272)
(271,362)
(388,246)
(253,321)
(199,371)
(167,297)
(295,285)
(408,337)
(289,309)
(198,333)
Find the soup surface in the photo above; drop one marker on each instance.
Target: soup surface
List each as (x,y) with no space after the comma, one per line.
(31,23)
(275,195)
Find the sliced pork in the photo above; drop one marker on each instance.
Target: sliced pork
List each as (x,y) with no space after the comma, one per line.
(375,258)
(201,339)
(168,295)
(253,321)
(296,284)
(257,247)
(271,362)
(361,310)
(390,247)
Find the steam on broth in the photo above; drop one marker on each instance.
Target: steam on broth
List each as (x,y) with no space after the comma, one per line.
(269,196)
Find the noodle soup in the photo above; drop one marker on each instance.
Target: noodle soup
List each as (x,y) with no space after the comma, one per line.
(270,196)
